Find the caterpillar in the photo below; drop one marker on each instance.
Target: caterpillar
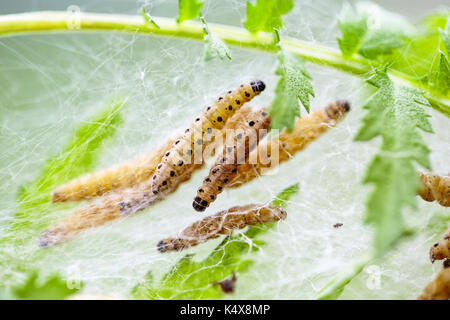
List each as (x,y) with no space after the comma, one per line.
(222,223)
(306,130)
(441,249)
(200,134)
(439,288)
(122,202)
(250,131)
(435,188)
(127,174)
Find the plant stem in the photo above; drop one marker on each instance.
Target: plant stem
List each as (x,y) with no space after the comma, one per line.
(59,21)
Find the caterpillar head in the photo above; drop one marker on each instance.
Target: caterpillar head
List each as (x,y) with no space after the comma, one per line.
(200,204)
(258,86)
(439,250)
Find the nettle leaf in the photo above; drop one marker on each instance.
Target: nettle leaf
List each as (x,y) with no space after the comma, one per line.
(189,9)
(371,31)
(294,85)
(53,288)
(394,113)
(214,46)
(443,75)
(265,15)
(77,158)
(189,279)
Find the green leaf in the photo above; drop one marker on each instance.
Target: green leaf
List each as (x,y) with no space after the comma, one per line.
(371,31)
(281,199)
(189,9)
(189,279)
(353,27)
(443,75)
(333,289)
(53,288)
(214,46)
(265,15)
(445,34)
(294,84)
(148,18)
(394,113)
(77,158)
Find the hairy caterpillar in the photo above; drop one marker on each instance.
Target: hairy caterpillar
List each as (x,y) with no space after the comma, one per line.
(441,249)
(439,288)
(435,188)
(222,223)
(253,128)
(122,202)
(127,174)
(307,129)
(200,134)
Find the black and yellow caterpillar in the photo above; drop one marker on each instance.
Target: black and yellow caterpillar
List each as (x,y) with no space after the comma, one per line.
(246,137)
(188,150)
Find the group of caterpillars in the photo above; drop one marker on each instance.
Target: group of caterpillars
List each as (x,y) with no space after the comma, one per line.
(138,183)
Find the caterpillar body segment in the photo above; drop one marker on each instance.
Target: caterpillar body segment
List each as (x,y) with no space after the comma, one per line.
(222,223)
(249,132)
(125,175)
(122,202)
(441,249)
(435,188)
(189,149)
(307,129)
(439,288)
(111,206)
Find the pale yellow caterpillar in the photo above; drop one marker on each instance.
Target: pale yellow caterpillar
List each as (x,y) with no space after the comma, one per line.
(306,130)
(124,175)
(122,202)
(246,137)
(200,134)
(441,249)
(435,188)
(222,223)
(439,288)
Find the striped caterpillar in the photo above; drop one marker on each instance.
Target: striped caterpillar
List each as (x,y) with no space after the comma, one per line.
(222,223)
(439,288)
(200,134)
(441,249)
(307,129)
(435,188)
(122,202)
(251,129)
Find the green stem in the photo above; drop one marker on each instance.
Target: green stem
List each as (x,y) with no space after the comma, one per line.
(56,21)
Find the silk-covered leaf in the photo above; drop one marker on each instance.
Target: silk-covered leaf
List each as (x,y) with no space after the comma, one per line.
(53,288)
(395,113)
(77,158)
(214,46)
(371,31)
(265,15)
(190,279)
(293,85)
(189,9)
